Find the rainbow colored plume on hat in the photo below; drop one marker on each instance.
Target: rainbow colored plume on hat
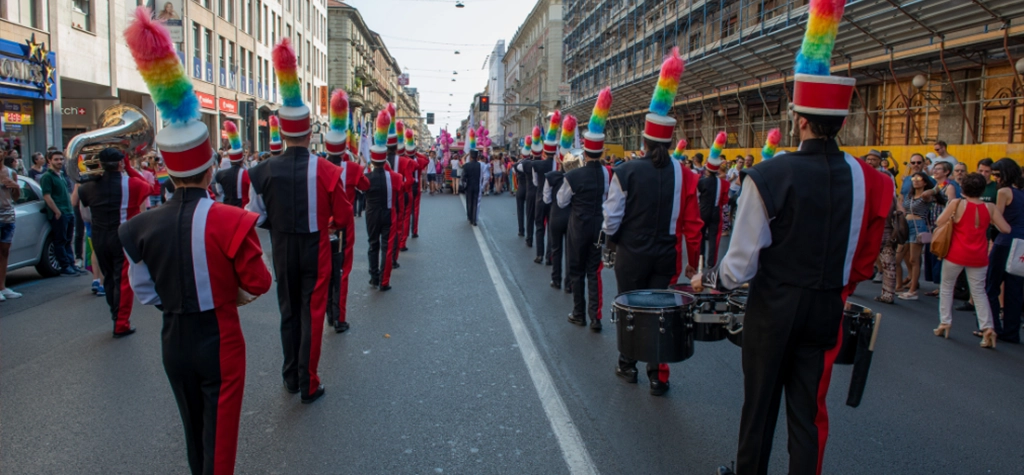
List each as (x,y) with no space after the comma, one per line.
(410,140)
(823,17)
(527,143)
(393,115)
(399,127)
(353,135)
(680,148)
(233,137)
(556,120)
(536,134)
(339,111)
(380,132)
(668,83)
(158,63)
(287,69)
(568,132)
(599,117)
(275,129)
(771,144)
(472,139)
(718,146)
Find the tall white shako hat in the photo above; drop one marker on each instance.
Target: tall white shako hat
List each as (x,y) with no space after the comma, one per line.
(234,140)
(185,142)
(593,138)
(527,143)
(551,138)
(538,144)
(410,142)
(379,149)
(336,138)
(658,126)
(815,92)
(294,114)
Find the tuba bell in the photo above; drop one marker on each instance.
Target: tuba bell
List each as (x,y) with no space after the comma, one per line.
(122,126)
(572,160)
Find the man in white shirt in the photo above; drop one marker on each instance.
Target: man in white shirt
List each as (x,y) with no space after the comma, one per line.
(941,155)
(432,171)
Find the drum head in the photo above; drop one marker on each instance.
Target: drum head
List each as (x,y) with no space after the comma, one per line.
(687,288)
(653,299)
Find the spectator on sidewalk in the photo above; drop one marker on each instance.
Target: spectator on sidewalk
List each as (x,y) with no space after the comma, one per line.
(9,194)
(1010,203)
(918,205)
(59,212)
(38,166)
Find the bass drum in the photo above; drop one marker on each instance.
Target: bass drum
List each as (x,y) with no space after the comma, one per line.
(654,325)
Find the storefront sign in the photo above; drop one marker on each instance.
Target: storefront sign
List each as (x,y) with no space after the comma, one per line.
(83,113)
(324,101)
(17,112)
(262,123)
(228,106)
(206,101)
(27,70)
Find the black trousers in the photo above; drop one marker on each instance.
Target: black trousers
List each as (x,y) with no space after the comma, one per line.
(558,228)
(204,360)
(540,217)
(472,203)
(1008,328)
(110,255)
(638,271)
(709,241)
(585,268)
(378,227)
(360,203)
(531,205)
(334,289)
(403,202)
(302,264)
(521,209)
(790,340)
(80,236)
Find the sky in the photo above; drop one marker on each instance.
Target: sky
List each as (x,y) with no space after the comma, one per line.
(423,36)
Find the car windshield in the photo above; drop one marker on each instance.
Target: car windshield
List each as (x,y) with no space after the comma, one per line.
(28,194)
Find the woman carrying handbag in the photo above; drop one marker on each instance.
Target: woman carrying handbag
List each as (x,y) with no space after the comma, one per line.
(966,221)
(1010,202)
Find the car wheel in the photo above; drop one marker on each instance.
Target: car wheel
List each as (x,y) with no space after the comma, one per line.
(47,266)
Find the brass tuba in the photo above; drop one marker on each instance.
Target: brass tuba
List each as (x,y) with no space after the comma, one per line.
(572,160)
(122,126)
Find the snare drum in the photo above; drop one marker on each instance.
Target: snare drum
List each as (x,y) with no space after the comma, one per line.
(710,313)
(654,325)
(856,320)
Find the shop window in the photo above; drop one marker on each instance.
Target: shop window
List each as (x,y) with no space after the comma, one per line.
(81,14)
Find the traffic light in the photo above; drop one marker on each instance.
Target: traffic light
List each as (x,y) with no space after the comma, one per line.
(430,118)
(485,103)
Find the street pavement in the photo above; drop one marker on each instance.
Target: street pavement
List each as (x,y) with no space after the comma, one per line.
(469,366)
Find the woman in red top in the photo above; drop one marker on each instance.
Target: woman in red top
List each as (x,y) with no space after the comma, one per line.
(968,251)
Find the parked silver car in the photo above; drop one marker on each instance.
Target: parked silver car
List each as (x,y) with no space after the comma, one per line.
(33,242)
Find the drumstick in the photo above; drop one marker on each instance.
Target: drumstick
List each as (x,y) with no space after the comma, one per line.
(874,332)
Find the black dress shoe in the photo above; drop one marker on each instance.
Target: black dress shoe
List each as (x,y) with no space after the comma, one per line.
(965,307)
(291,389)
(658,388)
(581,321)
(124,333)
(374,282)
(628,375)
(405,249)
(595,326)
(385,288)
(340,327)
(313,397)
(529,243)
(555,284)
(415,235)
(538,260)
(394,265)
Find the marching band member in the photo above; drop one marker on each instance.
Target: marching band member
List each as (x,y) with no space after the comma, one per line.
(586,189)
(420,161)
(352,179)
(540,168)
(713,194)
(113,199)
(299,198)
(558,225)
(400,165)
(471,177)
(651,216)
(193,258)
(276,146)
(382,206)
(817,198)
(526,167)
(234,180)
(521,184)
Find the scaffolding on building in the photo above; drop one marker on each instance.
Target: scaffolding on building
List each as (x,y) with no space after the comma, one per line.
(926,69)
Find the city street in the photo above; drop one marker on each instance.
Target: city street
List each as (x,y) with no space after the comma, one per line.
(468,366)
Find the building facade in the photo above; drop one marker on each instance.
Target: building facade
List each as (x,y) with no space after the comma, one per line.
(533,69)
(947,72)
(496,91)
(29,77)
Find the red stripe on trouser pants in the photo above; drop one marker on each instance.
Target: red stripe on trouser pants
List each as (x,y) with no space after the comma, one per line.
(406,216)
(416,215)
(229,401)
(821,418)
(125,301)
(317,310)
(346,269)
(663,372)
(600,289)
(385,277)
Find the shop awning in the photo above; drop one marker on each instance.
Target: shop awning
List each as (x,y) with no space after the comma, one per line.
(231,116)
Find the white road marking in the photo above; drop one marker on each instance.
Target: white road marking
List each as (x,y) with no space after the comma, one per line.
(574,451)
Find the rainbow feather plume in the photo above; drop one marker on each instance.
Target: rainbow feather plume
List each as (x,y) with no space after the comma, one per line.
(275,129)
(158,63)
(399,132)
(771,144)
(568,132)
(353,142)
(823,17)
(668,83)
(233,137)
(380,132)
(472,139)
(286,66)
(599,117)
(718,146)
(680,148)
(410,140)
(393,114)
(527,143)
(339,111)
(556,120)
(536,134)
